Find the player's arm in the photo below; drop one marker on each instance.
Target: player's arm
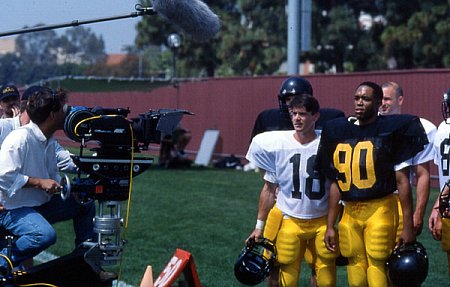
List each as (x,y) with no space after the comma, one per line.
(435,221)
(422,172)
(266,202)
(404,192)
(334,208)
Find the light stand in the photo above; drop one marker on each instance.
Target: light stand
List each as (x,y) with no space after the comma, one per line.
(174,41)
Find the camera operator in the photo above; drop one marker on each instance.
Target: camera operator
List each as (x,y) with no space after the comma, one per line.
(7,125)
(29,177)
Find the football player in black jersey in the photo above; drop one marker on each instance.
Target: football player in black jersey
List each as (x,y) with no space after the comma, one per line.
(279,119)
(359,155)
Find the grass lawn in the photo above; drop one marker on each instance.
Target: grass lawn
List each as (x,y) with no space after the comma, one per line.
(208,212)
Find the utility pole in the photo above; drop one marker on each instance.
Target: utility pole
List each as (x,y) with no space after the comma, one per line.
(299,11)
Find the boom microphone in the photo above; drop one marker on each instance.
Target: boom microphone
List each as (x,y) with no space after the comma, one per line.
(192,16)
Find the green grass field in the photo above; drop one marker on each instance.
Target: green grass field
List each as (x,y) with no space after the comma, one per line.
(208,212)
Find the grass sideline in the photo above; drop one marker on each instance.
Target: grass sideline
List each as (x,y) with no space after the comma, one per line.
(208,212)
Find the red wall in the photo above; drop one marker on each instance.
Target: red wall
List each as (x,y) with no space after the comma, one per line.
(232,104)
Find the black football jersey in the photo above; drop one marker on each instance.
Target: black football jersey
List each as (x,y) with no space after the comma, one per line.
(362,158)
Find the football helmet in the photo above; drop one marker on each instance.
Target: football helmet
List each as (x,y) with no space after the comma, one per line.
(445,107)
(290,87)
(255,262)
(408,265)
(444,201)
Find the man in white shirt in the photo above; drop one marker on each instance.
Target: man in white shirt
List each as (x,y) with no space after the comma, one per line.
(392,104)
(29,177)
(297,219)
(7,125)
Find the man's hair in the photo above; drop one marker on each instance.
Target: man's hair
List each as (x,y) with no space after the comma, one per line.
(377,91)
(398,90)
(43,102)
(307,101)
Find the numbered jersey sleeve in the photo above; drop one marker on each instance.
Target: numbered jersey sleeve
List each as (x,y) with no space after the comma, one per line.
(361,159)
(260,152)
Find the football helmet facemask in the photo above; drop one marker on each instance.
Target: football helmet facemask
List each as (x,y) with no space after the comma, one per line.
(445,107)
(255,262)
(444,201)
(408,265)
(290,87)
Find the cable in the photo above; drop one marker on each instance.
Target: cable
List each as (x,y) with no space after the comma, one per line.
(39,284)
(129,200)
(11,266)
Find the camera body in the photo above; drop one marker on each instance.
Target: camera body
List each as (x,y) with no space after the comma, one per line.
(117,138)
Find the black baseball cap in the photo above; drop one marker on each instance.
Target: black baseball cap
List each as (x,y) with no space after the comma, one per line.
(9,91)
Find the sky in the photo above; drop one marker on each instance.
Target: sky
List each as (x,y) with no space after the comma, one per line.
(15,14)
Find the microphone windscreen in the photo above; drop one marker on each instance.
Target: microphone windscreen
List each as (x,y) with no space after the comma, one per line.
(192,16)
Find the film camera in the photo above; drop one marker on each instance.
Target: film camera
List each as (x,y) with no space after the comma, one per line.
(117,140)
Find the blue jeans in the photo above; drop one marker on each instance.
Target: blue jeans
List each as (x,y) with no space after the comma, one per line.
(32,226)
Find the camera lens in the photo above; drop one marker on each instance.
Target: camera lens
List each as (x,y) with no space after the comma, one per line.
(74,127)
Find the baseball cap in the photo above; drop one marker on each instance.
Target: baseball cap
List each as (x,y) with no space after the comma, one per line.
(29,92)
(9,91)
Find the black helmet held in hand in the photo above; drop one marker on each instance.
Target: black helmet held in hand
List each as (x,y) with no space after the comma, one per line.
(255,262)
(408,265)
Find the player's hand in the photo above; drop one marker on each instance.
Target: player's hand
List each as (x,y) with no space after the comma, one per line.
(407,236)
(255,236)
(330,239)
(435,224)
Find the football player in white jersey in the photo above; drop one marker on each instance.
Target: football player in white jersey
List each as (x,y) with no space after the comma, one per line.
(439,223)
(298,216)
(391,105)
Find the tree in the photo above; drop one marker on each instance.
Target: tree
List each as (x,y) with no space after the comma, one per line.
(252,41)
(10,66)
(422,40)
(44,54)
(337,34)
(81,45)
(37,47)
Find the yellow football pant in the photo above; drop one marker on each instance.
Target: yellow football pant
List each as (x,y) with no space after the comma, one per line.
(294,236)
(367,233)
(400,218)
(445,243)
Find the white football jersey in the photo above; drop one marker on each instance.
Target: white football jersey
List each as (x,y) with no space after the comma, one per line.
(291,165)
(441,145)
